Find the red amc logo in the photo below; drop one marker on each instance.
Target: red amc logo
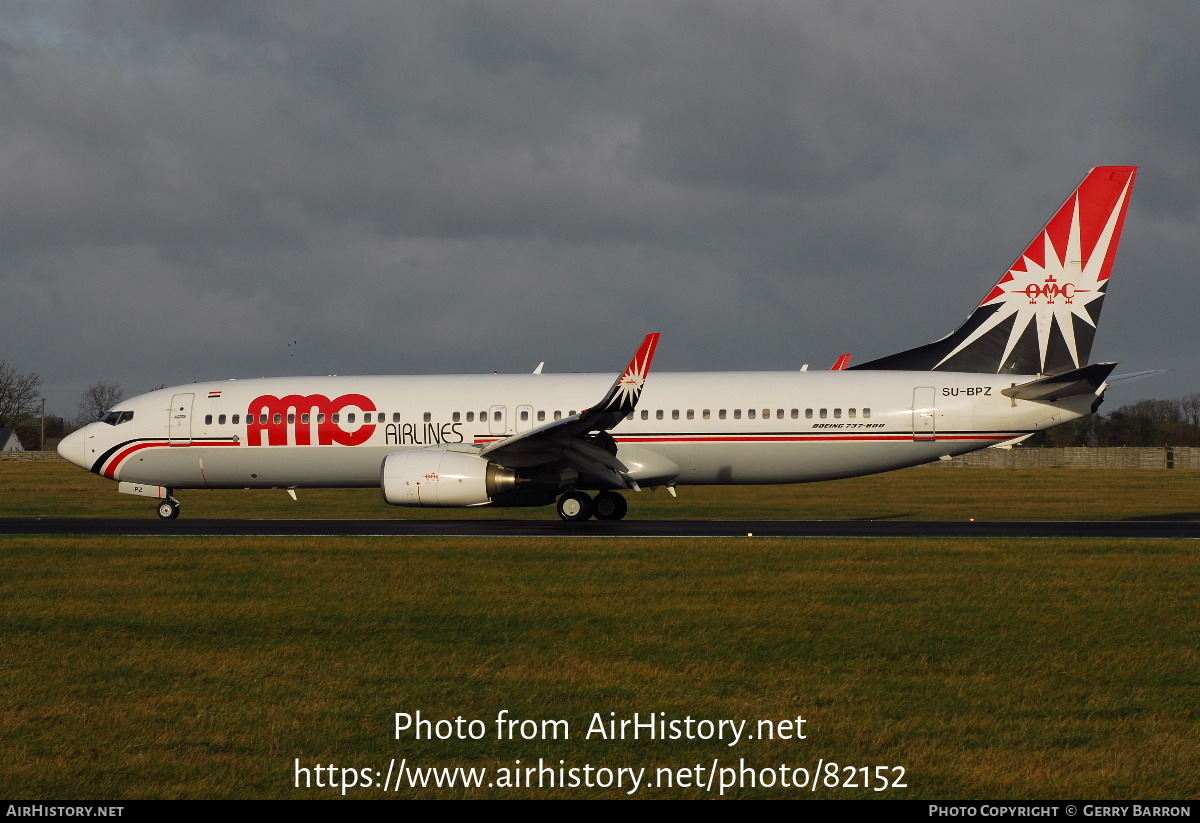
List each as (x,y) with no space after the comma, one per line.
(1050,290)
(268,420)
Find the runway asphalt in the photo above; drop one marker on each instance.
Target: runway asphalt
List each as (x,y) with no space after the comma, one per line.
(623,528)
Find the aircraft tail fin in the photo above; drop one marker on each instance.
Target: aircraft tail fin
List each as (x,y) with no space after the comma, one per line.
(1041,316)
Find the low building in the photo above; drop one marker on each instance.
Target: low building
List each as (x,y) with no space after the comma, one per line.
(9,442)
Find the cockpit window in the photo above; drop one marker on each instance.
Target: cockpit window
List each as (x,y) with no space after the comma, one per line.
(115,418)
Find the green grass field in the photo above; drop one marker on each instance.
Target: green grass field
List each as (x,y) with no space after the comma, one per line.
(986,669)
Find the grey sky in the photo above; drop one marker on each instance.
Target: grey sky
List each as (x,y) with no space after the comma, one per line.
(188,188)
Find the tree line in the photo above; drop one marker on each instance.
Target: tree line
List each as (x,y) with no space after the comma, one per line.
(21,406)
(1144,423)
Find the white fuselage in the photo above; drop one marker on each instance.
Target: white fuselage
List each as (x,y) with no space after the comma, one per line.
(702,428)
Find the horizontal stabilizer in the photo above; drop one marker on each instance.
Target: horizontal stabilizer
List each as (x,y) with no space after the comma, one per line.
(1086,380)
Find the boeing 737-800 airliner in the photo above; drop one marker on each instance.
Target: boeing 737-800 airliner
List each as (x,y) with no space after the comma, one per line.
(1017,365)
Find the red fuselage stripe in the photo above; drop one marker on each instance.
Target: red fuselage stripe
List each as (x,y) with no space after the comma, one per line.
(866,437)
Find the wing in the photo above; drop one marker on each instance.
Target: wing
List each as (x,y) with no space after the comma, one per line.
(582,440)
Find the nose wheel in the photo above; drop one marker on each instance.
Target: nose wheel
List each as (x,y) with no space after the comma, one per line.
(168,509)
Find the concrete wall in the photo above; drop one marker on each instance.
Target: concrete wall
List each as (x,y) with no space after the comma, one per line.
(1079,458)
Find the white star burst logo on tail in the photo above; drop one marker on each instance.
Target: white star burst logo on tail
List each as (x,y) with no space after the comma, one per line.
(1062,272)
(624,394)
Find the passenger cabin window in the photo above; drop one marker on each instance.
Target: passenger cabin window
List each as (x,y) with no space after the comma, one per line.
(455,416)
(541,416)
(721,414)
(750,413)
(470,417)
(221,419)
(237,419)
(208,419)
(427,417)
(866,412)
(675,414)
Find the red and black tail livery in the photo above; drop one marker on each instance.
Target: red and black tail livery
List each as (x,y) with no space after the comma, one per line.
(1042,315)
(623,396)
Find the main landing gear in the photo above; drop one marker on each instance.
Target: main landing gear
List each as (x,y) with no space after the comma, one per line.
(575,507)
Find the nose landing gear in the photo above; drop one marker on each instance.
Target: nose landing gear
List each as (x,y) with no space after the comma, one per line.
(168,509)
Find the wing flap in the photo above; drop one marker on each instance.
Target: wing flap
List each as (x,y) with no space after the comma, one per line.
(593,461)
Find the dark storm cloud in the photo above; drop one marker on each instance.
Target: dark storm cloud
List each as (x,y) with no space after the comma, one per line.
(187,188)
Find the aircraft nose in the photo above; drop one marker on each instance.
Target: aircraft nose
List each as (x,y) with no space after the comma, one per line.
(73,447)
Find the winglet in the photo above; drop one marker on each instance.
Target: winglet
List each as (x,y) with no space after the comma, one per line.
(623,396)
(842,363)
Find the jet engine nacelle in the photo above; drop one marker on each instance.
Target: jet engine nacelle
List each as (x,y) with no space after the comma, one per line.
(435,477)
